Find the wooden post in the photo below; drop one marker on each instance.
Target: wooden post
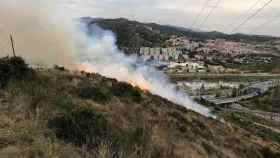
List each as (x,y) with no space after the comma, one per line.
(13,46)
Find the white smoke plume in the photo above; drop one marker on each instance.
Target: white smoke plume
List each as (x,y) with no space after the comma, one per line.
(102,55)
(42,36)
(39,36)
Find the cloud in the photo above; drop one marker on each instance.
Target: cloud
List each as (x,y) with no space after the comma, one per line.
(45,35)
(36,38)
(183,12)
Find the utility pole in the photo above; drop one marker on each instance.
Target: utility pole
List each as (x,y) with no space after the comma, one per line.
(13,46)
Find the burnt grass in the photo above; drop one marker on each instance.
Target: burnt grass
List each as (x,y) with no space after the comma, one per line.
(58,113)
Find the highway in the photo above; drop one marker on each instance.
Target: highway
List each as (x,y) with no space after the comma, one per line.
(255,90)
(201,76)
(221,101)
(223,75)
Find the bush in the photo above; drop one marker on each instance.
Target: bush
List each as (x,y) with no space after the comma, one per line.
(64,104)
(93,93)
(81,127)
(268,153)
(103,94)
(60,68)
(126,91)
(12,68)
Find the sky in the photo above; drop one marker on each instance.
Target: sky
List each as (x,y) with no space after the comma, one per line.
(225,17)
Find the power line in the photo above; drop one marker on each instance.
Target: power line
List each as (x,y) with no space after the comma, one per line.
(251,16)
(200,13)
(267,22)
(245,13)
(210,12)
(13,45)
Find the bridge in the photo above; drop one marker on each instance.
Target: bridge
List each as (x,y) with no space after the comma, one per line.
(255,90)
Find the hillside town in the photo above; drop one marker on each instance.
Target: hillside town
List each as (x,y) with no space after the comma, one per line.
(182,54)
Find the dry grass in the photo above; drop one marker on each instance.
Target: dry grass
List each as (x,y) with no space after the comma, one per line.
(47,117)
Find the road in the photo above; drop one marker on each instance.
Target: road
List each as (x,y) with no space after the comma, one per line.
(263,114)
(221,101)
(247,76)
(254,91)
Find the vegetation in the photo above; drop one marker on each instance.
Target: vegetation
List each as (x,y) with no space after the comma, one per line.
(135,34)
(253,63)
(94,94)
(252,124)
(67,115)
(81,126)
(12,68)
(131,34)
(268,102)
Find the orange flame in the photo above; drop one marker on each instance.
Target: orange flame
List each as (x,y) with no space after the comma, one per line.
(87,68)
(143,87)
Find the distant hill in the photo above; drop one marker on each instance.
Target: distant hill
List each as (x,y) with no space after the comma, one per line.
(135,34)
(131,33)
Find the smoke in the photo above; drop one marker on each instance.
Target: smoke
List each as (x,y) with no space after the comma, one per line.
(38,38)
(42,36)
(102,55)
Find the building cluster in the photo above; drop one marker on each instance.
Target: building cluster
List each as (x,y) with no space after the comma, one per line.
(228,47)
(185,42)
(182,54)
(252,60)
(188,66)
(218,45)
(176,59)
(163,54)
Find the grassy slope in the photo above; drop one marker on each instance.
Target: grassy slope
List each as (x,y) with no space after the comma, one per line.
(62,114)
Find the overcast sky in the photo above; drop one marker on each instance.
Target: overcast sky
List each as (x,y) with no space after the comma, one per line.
(227,16)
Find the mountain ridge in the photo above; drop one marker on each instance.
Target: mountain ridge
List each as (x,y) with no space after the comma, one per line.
(153,34)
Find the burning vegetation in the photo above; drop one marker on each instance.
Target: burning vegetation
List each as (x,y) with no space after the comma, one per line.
(59,113)
(139,113)
(89,69)
(77,45)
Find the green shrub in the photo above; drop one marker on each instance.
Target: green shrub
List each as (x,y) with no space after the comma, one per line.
(12,68)
(126,91)
(64,104)
(93,93)
(81,127)
(268,153)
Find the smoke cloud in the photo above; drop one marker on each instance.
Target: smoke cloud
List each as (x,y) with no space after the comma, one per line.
(37,35)
(45,37)
(102,55)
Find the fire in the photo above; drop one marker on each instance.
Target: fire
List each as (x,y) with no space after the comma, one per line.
(142,85)
(85,68)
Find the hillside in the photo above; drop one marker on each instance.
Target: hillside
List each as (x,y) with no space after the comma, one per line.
(64,114)
(136,34)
